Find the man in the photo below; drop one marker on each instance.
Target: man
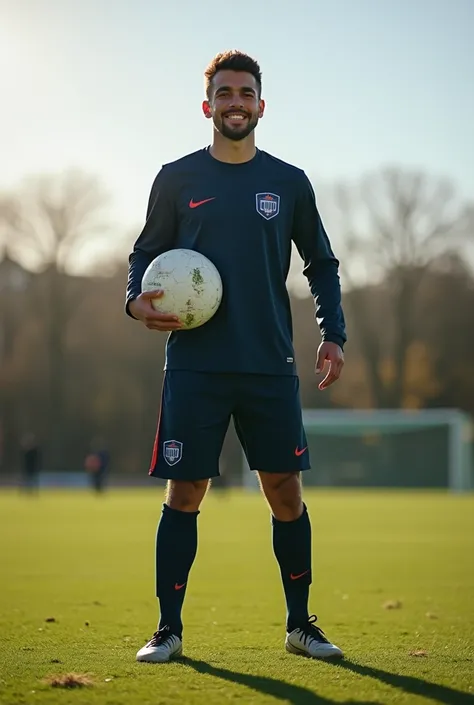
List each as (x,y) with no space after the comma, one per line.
(242,208)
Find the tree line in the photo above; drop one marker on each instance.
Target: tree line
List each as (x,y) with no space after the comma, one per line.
(74,367)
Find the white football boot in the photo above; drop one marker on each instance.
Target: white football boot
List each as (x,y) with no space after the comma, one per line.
(162,647)
(310,641)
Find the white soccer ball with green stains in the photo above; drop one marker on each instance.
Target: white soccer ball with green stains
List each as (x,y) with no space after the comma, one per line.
(191,284)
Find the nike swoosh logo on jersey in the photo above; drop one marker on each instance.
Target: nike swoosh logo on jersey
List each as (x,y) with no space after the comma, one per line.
(196,204)
(179,587)
(299,452)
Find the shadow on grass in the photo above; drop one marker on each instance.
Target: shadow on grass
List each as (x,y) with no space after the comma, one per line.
(409,684)
(279,689)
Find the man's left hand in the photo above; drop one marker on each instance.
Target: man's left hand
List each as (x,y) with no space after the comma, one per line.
(329,353)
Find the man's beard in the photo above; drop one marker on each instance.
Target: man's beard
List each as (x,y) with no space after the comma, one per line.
(238,133)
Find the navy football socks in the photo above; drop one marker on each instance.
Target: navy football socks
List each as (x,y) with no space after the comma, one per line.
(292,548)
(176,547)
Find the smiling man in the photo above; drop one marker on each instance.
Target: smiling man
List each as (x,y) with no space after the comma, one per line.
(242,208)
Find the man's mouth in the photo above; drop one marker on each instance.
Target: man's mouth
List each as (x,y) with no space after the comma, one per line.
(235,118)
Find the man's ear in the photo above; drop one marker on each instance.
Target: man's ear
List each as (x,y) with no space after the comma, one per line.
(261,108)
(206,109)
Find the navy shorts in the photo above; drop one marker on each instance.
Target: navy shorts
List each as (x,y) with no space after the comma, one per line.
(196,408)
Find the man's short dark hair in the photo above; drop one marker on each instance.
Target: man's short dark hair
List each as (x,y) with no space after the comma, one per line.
(232,60)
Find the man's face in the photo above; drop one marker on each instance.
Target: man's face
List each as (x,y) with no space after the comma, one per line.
(234,104)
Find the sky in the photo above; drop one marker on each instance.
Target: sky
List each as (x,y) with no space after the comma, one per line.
(114,87)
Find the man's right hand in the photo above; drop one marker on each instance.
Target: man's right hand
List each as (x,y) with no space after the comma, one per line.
(141,308)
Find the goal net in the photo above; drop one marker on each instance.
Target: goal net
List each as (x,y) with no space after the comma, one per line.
(432,448)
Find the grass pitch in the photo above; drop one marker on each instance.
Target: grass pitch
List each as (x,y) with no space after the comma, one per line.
(393,586)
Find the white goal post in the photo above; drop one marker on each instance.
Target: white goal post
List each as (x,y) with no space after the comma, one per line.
(387,448)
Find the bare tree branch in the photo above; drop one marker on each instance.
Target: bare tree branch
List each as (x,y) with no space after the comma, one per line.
(396,223)
(52,215)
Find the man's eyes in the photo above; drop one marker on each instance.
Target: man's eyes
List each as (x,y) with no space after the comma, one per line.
(225,94)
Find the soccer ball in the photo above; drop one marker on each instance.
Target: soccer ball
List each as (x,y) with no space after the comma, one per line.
(191,284)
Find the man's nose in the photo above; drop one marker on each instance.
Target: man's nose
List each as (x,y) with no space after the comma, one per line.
(236,102)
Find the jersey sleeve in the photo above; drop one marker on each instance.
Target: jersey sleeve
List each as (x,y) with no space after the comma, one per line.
(321,267)
(157,236)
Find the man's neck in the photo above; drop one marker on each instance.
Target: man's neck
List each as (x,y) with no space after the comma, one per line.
(232,151)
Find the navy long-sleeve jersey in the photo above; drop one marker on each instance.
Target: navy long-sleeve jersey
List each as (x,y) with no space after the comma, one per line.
(244,218)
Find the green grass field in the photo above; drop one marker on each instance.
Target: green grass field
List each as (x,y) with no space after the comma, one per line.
(87,562)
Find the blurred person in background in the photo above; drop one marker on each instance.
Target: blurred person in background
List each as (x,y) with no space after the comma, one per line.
(96,465)
(31,463)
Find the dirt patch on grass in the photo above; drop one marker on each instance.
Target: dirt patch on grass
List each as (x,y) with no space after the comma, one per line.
(69,680)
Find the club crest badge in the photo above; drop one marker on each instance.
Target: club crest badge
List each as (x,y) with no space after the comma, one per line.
(172,452)
(268,205)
